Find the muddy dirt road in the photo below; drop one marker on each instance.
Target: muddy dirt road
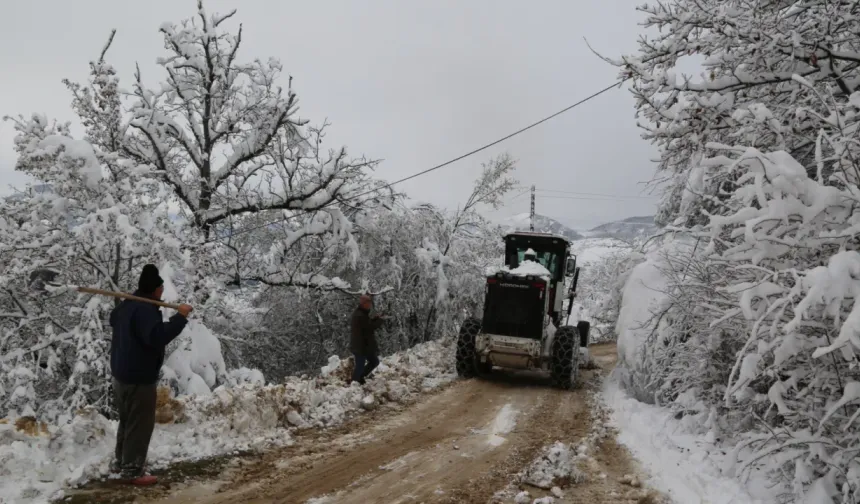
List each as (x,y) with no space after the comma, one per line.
(462,444)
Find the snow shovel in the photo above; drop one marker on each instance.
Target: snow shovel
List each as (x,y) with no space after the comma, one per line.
(41,279)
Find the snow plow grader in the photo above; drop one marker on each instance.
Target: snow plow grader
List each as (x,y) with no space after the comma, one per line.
(524,311)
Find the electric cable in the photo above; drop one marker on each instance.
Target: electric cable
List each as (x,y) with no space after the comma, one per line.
(428,170)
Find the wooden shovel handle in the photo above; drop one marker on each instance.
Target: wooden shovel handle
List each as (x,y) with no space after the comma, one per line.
(122,295)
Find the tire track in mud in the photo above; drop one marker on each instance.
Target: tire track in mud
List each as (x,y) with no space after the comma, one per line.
(408,454)
(560,416)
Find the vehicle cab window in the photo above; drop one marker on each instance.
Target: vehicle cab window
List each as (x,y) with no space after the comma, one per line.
(548,260)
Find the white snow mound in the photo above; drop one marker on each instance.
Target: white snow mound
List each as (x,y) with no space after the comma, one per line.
(557,462)
(197,364)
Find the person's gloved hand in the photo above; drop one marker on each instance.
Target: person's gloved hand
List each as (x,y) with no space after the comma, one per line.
(185,310)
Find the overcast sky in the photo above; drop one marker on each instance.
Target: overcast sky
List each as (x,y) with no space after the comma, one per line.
(413,83)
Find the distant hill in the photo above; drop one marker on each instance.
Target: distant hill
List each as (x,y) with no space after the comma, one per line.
(632,227)
(543,224)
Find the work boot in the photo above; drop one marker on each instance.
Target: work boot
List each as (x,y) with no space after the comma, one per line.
(136,475)
(145,480)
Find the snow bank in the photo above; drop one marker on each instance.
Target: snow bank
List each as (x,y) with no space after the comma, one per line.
(197,364)
(686,466)
(35,468)
(334,363)
(643,295)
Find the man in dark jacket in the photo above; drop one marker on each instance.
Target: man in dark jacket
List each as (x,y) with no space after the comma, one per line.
(136,355)
(362,342)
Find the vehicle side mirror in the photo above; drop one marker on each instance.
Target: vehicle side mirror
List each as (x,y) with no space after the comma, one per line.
(570,266)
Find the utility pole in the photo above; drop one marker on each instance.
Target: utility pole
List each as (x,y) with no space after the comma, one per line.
(532,213)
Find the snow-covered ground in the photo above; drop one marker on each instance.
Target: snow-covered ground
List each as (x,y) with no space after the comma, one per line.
(687,458)
(686,466)
(35,468)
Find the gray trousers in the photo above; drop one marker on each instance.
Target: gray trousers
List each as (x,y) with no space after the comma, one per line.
(136,406)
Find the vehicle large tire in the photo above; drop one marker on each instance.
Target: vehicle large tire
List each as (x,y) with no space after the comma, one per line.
(467,359)
(564,369)
(583,329)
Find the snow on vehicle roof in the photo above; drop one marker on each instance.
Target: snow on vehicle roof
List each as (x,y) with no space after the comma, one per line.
(527,268)
(530,251)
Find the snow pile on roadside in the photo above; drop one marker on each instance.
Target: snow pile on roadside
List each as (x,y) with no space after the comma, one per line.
(228,420)
(555,464)
(639,324)
(334,363)
(685,466)
(644,294)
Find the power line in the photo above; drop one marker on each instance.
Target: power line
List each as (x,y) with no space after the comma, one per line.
(518,195)
(583,198)
(434,168)
(618,196)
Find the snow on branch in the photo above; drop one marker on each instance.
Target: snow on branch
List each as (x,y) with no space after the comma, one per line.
(762,78)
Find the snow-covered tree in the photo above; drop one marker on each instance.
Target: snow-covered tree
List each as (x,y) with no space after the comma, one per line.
(181,173)
(759,160)
(489,189)
(225,138)
(94,218)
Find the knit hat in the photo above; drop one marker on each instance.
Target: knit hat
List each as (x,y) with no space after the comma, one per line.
(149,279)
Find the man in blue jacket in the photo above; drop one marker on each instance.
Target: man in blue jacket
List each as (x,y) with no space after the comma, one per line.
(136,355)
